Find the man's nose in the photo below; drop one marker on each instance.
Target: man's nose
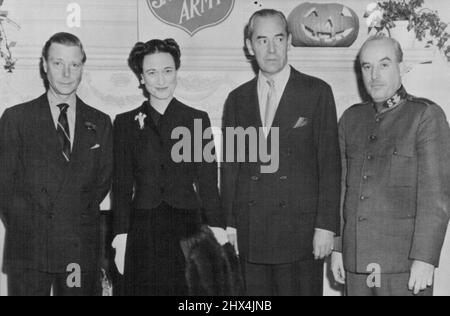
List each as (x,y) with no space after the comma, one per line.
(375,73)
(272,47)
(161,79)
(66,71)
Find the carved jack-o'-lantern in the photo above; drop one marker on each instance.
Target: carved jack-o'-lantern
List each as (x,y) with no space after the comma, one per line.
(323,25)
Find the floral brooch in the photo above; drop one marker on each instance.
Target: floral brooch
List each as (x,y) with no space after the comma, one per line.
(91,126)
(141,119)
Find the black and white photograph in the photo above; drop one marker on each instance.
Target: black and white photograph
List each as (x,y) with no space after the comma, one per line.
(210,149)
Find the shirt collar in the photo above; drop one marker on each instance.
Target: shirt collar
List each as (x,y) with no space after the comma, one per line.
(397,99)
(54,101)
(281,79)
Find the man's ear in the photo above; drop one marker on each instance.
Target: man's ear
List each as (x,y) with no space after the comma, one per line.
(289,41)
(249,45)
(44,65)
(404,69)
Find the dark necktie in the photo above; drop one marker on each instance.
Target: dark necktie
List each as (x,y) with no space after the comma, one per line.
(63,131)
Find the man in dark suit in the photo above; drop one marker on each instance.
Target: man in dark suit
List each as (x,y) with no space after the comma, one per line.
(285,219)
(56,162)
(396,152)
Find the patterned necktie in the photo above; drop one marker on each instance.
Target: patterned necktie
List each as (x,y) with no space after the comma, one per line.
(271,106)
(63,131)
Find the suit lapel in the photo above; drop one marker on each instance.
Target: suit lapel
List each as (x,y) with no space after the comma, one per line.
(83,140)
(80,143)
(290,105)
(250,109)
(53,149)
(150,133)
(170,119)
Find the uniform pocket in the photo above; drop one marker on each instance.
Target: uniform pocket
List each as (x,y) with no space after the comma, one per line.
(354,166)
(403,171)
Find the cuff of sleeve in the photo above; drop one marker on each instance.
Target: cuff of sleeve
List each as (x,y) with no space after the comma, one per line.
(120,241)
(329,223)
(326,231)
(338,244)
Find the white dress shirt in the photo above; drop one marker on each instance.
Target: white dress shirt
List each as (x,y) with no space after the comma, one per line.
(281,79)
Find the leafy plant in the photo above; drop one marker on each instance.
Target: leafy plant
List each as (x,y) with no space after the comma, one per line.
(5,45)
(426,23)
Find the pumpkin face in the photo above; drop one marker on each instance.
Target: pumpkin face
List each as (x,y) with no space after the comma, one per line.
(323,25)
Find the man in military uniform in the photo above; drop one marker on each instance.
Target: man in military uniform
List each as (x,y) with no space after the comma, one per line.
(396,177)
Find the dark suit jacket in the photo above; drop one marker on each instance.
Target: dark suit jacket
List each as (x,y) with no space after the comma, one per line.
(276,214)
(145,173)
(51,207)
(396,185)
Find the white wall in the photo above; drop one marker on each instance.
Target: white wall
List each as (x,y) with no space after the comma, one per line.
(213,62)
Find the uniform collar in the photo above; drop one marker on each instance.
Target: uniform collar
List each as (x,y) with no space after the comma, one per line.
(397,99)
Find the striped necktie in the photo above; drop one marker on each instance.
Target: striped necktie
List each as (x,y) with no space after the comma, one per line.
(63,131)
(271,107)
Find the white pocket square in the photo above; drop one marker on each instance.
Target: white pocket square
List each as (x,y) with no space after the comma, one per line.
(302,122)
(97,146)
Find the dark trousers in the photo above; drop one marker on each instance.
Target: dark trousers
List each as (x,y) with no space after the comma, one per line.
(391,285)
(35,283)
(303,278)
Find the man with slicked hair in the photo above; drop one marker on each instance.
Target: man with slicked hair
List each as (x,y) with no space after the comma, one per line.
(396,183)
(55,170)
(282,223)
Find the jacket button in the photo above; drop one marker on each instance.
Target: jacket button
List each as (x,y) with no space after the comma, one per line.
(44,190)
(373,138)
(395,153)
(366,178)
(362,219)
(363,198)
(51,216)
(283,178)
(369,157)
(255,178)
(283,204)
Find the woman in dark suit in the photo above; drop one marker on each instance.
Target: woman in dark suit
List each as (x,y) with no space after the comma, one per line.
(161,194)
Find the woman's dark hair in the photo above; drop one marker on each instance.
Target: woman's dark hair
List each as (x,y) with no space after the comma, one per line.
(140,50)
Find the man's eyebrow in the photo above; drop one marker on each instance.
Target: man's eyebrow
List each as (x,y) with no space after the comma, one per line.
(385,59)
(261,37)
